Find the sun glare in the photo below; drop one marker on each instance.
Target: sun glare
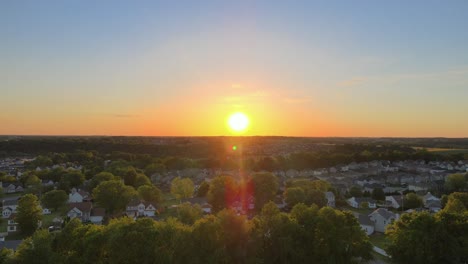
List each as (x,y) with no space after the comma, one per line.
(238,122)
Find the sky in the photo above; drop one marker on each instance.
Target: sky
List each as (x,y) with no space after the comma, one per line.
(179,68)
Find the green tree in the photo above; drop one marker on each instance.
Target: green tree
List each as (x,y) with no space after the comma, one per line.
(150,193)
(141,179)
(182,188)
(355,191)
(412,200)
(294,195)
(113,195)
(455,182)
(36,249)
(188,213)
(54,199)
(223,190)
(71,179)
(265,187)
(100,177)
(378,194)
(203,189)
(28,214)
(454,206)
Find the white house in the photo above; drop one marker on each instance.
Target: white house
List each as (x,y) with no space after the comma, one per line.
(356,202)
(429,197)
(395,201)
(12,224)
(381,219)
(366,224)
(140,208)
(97,215)
(330,199)
(9,207)
(78,196)
(81,211)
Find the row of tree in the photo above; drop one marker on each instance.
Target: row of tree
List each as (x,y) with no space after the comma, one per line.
(306,235)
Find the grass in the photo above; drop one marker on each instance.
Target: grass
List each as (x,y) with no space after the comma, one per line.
(47,219)
(379,240)
(364,211)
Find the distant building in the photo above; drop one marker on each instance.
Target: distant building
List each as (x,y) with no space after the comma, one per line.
(381,219)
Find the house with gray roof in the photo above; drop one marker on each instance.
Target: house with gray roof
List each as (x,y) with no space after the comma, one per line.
(382,218)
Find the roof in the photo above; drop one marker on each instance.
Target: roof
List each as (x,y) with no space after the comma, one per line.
(83,207)
(433,203)
(10,244)
(10,202)
(329,195)
(136,203)
(98,212)
(364,199)
(384,213)
(364,220)
(196,200)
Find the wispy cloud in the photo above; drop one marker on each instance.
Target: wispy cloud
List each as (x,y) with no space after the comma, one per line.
(352,82)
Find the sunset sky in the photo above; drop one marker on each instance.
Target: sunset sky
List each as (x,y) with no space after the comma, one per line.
(180,68)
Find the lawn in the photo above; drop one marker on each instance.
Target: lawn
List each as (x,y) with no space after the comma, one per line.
(379,240)
(364,211)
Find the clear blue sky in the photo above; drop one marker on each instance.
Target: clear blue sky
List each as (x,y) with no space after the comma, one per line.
(308,68)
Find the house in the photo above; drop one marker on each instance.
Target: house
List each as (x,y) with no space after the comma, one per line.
(394,201)
(46,211)
(433,205)
(81,211)
(381,219)
(357,202)
(428,197)
(12,224)
(330,199)
(206,207)
(9,187)
(46,183)
(78,196)
(9,207)
(366,224)
(97,215)
(140,208)
(19,188)
(10,244)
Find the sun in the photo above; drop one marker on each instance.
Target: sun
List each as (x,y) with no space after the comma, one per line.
(238,122)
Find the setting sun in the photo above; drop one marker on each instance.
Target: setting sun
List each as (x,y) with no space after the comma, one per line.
(238,122)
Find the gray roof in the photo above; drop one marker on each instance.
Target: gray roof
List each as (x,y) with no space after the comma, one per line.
(364,220)
(384,213)
(434,203)
(364,199)
(10,202)
(10,244)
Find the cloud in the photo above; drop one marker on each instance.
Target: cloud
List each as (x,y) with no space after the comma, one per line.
(124,115)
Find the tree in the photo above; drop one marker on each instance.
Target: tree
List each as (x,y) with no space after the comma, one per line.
(355,191)
(454,206)
(28,214)
(412,200)
(182,188)
(113,195)
(455,182)
(423,238)
(265,187)
(188,213)
(36,249)
(100,177)
(223,190)
(71,179)
(294,195)
(378,194)
(315,197)
(203,189)
(150,193)
(55,199)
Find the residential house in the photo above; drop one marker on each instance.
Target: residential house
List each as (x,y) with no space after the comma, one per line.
(394,201)
(366,224)
(330,199)
(97,215)
(357,202)
(206,207)
(429,197)
(81,211)
(381,219)
(9,207)
(9,187)
(140,208)
(78,196)
(433,205)
(12,224)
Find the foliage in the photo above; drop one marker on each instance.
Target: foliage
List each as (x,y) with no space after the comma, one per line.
(150,193)
(182,188)
(28,214)
(378,194)
(223,190)
(455,182)
(100,177)
(203,189)
(412,200)
(188,214)
(424,238)
(54,199)
(355,191)
(265,186)
(113,195)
